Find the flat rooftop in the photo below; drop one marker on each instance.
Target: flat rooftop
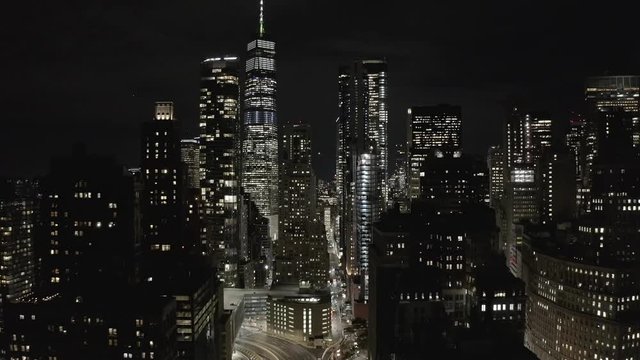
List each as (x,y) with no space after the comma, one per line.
(233,296)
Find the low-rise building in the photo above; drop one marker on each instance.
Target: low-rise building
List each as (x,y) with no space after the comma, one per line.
(300,317)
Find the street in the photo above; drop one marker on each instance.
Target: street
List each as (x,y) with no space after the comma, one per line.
(271,348)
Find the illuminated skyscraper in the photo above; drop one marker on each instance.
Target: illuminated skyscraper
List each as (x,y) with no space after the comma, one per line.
(607,94)
(191,193)
(345,175)
(260,141)
(219,161)
(557,193)
(368,212)
(577,142)
(540,135)
(617,94)
(161,179)
(495,162)
(17,265)
(582,293)
(373,82)
(190,158)
(526,137)
(301,248)
(398,181)
(362,157)
(432,129)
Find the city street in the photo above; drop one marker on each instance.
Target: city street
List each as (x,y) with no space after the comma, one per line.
(271,348)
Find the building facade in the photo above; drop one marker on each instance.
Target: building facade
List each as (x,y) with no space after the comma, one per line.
(362,157)
(162,182)
(495,163)
(219,162)
(300,318)
(17,231)
(301,248)
(260,126)
(432,131)
(582,296)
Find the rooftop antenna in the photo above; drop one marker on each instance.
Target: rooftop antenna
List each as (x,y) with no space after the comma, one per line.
(261,29)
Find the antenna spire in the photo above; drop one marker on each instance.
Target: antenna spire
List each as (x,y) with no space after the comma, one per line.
(261,29)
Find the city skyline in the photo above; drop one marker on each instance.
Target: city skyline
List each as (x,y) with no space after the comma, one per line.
(225,234)
(426,67)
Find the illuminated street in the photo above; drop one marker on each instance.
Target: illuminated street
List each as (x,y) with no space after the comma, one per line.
(270,347)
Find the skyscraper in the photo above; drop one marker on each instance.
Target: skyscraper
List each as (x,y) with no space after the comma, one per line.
(219,161)
(582,292)
(577,142)
(17,264)
(191,194)
(433,131)
(454,181)
(372,74)
(607,94)
(161,179)
(495,162)
(362,157)
(616,94)
(557,193)
(345,174)
(190,158)
(368,212)
(526,137)
(301,248)
(260,132)
(398,181)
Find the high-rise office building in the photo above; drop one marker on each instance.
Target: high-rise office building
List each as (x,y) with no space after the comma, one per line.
(432,131)
(260,131)
(398,180)
(191,194)
(301,248)
(297,199)
(526,137)
(190,158)
(368,212)
(17,263)
(616,94)
(453,181)
(345,174)
(362,156)
(606,94)
(582,296)
(557,194)
(219,161)
(523,195)
(495,163)
(162,181)
(577,142)
(541,135)
(373,75)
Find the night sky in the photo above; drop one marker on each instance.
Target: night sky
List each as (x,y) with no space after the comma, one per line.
(87,70)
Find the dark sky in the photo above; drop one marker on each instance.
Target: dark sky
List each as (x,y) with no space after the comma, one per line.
(90,70)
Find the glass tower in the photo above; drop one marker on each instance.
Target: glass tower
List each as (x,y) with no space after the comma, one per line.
(260,142)
(362,156)
(219,148)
